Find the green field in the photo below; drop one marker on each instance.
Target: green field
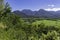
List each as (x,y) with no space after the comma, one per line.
(48,22)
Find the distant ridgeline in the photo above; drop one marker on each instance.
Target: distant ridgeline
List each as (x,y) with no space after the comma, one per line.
(1,4)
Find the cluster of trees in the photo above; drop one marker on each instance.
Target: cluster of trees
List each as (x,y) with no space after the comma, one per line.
(13,27)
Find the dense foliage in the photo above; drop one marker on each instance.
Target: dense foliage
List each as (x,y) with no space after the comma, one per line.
(13,27)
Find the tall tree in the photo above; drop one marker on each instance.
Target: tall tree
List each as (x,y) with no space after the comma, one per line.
(1,4)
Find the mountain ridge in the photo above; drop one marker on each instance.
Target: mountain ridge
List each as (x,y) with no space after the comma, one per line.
(38,14)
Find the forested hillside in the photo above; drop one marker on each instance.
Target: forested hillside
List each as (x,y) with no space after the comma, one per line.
(14,27)
(27,13)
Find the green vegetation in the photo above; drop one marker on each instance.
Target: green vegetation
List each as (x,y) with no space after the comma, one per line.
(48,22)
(1,4)
(13,27)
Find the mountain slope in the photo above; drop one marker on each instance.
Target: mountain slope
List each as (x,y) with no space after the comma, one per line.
(38,14)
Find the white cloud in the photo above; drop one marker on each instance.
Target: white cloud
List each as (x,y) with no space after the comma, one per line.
(52,9)
(51,5)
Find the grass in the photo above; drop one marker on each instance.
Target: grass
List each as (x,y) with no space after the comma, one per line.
(47,22)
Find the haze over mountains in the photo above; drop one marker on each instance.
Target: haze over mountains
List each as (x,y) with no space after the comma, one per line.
(26,13)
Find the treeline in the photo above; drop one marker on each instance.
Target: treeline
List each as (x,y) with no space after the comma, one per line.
(13,27)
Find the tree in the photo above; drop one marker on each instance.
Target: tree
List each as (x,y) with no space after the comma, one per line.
(7,8)
(50,36)
(1,5)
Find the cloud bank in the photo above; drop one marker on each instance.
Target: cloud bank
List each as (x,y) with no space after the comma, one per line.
(52,9)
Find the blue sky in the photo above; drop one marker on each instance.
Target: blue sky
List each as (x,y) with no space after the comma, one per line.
(34,4)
